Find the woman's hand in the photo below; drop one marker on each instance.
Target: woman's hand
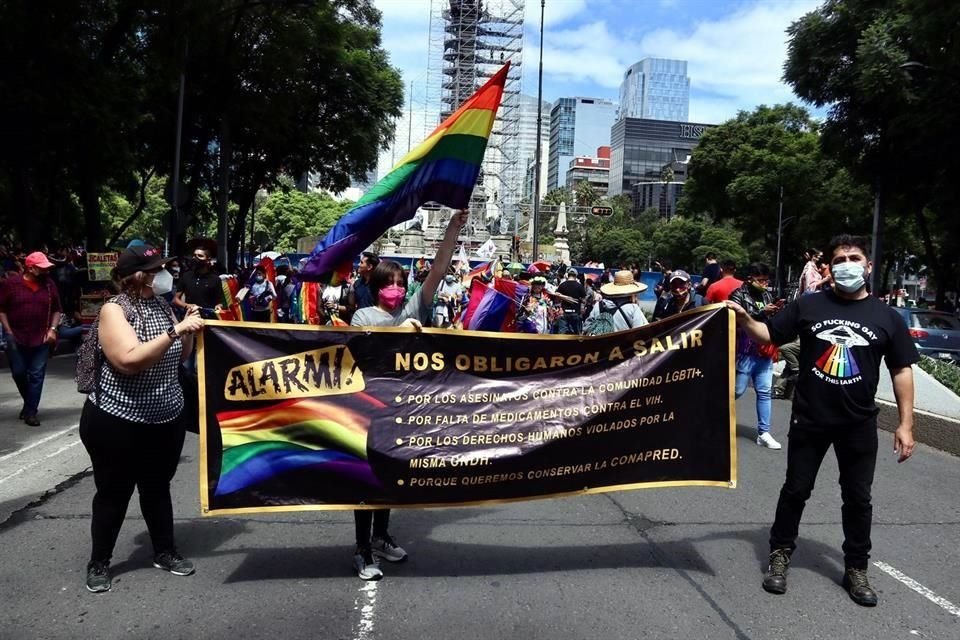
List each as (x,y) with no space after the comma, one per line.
(192,323)
(412,323)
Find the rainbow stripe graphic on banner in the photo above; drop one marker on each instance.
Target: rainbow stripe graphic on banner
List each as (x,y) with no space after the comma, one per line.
(443,168)
(838,361)
(261,444)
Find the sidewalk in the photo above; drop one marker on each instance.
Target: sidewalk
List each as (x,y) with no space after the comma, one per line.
(929,395)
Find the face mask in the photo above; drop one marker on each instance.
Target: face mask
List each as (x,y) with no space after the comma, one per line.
(450,279)
(260,278)
(759,288)
(162,283)
(174,271)
(848,276)
(391,296)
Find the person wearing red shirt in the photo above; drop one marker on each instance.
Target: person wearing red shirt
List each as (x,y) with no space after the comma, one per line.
(30,313)
(727,284)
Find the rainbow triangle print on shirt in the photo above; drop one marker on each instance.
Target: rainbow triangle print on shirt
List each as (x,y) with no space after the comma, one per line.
(838,360)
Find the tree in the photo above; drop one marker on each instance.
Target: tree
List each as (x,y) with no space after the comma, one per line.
(586,195)
(738,170)
(288,216)
(890,70)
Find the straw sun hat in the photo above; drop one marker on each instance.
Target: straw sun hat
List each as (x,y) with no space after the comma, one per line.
(623,285)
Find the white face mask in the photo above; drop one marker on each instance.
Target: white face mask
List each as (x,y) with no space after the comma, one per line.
(162,283)
(848,276)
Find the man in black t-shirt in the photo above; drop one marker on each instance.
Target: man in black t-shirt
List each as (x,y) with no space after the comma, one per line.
(200,287)
(843,334)
(571,322)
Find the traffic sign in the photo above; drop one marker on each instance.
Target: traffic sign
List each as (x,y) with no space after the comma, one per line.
(601,211)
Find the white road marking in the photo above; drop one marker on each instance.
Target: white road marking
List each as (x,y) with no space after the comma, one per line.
(65,447)
(39,442)
(366,604)
(943,603)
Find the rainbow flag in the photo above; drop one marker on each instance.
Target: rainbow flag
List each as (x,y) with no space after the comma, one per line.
(494,308)
(443,168)
(263,443)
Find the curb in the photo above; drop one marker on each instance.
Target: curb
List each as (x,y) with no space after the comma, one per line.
(936,431)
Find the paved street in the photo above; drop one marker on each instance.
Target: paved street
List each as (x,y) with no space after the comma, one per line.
(666,563)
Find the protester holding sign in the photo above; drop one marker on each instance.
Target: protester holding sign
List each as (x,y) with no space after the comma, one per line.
(843,334)
(132,424)
(388,288)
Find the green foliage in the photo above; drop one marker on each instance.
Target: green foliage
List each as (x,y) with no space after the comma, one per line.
(288,216)
(90,91)
(149,225)
(890,71)
(946,373)
(739,168)
(587,196)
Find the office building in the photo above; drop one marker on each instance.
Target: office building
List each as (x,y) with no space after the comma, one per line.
(527,143)
(641,150)
(655,89)
(594,170)
(578,126)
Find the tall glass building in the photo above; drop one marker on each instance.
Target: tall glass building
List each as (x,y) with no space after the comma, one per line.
(578,127)
(656,89)
(641,148)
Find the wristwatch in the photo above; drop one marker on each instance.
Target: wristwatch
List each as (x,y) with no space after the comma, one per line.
(172,333)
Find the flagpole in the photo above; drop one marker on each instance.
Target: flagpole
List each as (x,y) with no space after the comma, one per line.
(535,248)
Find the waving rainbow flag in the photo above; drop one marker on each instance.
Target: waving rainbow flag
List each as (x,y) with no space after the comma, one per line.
(443,168)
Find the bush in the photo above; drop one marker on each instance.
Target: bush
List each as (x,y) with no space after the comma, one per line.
(946,373)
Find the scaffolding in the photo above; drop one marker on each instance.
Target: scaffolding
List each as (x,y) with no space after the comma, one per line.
(470,40)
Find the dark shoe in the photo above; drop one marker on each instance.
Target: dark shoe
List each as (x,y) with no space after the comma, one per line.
(174,563)
(98,577)
(775,580)
(856,584)
(32,420)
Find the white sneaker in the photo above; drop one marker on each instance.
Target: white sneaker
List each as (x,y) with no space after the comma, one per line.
(366,566)
(387,549)
(766,440)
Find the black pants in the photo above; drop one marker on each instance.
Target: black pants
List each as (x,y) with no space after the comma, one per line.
(126,455)
(856,449)
(380,519)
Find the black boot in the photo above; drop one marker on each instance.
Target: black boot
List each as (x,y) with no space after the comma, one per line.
(775,580)
(856,584)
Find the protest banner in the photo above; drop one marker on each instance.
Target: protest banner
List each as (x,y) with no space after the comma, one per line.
(297,418)
(101,265)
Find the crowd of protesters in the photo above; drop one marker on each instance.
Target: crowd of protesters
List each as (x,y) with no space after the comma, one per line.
(144,333)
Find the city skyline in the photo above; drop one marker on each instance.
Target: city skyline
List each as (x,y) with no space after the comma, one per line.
(734,50)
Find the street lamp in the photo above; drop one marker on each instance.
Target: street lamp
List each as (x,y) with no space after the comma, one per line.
(535,248)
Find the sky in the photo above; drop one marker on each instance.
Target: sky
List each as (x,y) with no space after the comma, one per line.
(735,49)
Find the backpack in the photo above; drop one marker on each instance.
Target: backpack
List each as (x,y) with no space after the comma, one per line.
(603,323)
(88,355)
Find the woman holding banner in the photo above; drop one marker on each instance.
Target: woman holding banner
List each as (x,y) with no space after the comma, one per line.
(388,289)
(132,424)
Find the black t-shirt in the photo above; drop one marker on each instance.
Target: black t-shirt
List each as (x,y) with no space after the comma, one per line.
(201,289)
(841,344)
(571,289)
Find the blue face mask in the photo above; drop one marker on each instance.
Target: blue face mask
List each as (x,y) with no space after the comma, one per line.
(849,276)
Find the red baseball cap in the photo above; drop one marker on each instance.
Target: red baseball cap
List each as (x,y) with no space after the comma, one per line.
(38,259)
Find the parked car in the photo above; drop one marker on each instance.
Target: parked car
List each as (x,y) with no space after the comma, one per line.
(936,334)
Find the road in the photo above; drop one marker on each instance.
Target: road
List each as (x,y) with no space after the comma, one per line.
(663,563)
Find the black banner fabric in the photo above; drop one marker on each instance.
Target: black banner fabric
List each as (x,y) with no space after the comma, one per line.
(304,418)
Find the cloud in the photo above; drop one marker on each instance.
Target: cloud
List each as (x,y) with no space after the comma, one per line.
(734,62)
(555,12)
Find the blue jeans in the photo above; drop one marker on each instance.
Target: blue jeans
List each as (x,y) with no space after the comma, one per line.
(29,367)
(759,370)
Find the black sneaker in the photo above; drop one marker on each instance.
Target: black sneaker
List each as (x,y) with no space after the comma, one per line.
(31,419)
(856,584)
(174,563)
(98,577)
(775,580)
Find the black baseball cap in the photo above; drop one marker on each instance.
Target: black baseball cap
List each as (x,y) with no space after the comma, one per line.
(141,258)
